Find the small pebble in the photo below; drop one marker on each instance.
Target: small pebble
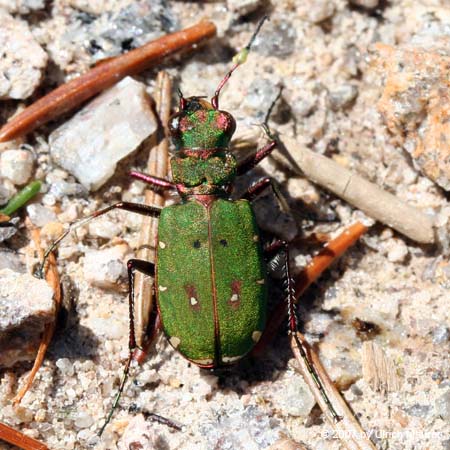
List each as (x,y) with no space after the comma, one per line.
(418,410)
(110,328)
(147,377)
(297,400)
(85,435)
(443,406)
(65,366)
(16,165)
(26,306)
(106,268)
(243,7)
(40,415)
(40,215)
(22,6)
(441,334)
(278,39)
(139,434)
(9,230)
(10,259)
(343,96)
(60,189)
(397,250)
(135,24)
(6,192)
(261,96)
(415,76)
(83,420)
(52,231)
(69,215)
(104,228)
(317,11)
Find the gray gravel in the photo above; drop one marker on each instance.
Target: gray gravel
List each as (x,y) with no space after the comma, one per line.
(322,53)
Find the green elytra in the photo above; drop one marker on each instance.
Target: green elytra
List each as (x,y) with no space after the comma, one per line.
(210,273)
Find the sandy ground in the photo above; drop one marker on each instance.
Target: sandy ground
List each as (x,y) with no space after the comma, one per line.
(321,52)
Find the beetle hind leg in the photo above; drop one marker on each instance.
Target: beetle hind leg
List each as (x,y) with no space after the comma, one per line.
(146,268)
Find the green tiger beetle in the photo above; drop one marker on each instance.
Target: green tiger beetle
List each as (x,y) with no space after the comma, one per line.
(215,312)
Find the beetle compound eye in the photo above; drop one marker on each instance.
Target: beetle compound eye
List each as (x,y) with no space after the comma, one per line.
(197,244)
(174,123)
(224,242)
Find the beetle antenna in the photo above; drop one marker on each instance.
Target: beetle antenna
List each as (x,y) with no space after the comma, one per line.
(238,59)
(271,107)
(182,99)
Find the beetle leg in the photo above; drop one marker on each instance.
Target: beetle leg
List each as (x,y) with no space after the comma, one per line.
(138,208)
(333,250)
(251,161)
(146,268)
(259,186)
(154,327)
(156,182)
(291,307)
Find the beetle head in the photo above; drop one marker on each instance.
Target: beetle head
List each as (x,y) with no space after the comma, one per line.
(199,126)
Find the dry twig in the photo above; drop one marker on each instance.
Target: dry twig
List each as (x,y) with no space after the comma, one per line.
(52,277)
(356,190)
(378,370)
(157,165)
(19,439)
(348,428)
(71,94)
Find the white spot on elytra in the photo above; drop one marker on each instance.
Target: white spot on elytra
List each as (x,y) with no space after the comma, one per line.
(202,362)
(162,288)
(234,298)
(231,359)
(193,301)
(174,341)
(260,281)
(162,244)
(255,238)
(256,336)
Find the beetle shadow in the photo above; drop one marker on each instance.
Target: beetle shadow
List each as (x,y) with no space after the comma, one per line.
(71,340)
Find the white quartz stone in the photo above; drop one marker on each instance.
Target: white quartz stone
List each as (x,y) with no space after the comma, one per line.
(109,128)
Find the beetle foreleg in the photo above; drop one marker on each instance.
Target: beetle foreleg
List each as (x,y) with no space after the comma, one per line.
(250,162)
(156,182)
